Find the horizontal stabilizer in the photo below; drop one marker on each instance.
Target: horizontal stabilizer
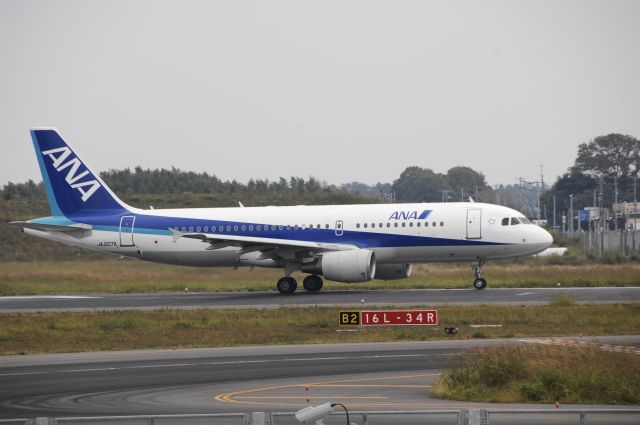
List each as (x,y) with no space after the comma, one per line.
(43,227)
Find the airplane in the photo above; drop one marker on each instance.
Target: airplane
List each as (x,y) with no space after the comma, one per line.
(343,243)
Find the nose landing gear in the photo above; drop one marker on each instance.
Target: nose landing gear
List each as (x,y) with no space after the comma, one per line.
(479,282)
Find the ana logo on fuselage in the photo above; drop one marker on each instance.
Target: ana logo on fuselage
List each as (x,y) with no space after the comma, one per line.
(87,187)
(409,215)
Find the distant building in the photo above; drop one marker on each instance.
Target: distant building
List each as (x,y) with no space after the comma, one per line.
(629,212)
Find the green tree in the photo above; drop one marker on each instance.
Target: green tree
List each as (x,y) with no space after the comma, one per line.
(417,184)
(610,155)
(467,179)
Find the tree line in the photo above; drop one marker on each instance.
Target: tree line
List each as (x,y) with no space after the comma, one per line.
(415,184)
(605,170)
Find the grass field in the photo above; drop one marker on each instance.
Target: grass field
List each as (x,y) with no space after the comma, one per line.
(112,275)
(125,330)
(543,374)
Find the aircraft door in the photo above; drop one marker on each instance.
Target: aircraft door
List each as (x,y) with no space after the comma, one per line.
(339,228)
(474,220)
(126,230)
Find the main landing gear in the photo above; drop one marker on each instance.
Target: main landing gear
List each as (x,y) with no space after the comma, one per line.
(288,285)
(312,283)
(479,282)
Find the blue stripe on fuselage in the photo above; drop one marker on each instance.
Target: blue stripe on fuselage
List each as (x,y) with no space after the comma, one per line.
(147,224)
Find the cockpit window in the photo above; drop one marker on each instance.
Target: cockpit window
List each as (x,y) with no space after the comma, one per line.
(514,221)
(524,220)
(505,221)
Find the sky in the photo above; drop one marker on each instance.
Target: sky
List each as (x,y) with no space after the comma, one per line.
(340,90)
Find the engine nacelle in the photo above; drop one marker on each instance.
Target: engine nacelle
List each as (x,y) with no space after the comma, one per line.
(393,271)
(357,265)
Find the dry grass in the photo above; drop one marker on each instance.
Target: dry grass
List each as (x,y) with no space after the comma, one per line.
(543,374)
(112,275)
(124,330)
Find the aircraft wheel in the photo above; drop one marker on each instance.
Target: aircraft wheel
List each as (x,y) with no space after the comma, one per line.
(312,283)
(480,283)
(287,285)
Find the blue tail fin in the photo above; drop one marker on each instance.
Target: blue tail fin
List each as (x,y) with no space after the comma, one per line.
(72,188)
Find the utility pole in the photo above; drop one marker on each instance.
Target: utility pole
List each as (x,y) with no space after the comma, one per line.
(538,193)
(554,210)
(615,203)
(520,180)
(570,215)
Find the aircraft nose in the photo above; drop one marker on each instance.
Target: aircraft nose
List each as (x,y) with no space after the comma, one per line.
(544,237)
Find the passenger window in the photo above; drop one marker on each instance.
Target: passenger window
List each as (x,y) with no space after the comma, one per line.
(411,224)
(213,229)
(281,227)
(418,224)
(251,227)
(365,225)
(288,227)
(373,225)
(395,224)
(505,221)
(198,229)
(441,223)
(295,227)
(235,228)
(259,228)
(379,224)
(228,228)
(184,229)
(326,226)
(433,224)
(318,226)
(404,224)
(388,224)
(273,227)
(220,228)
(514,221)
(357,225)
(206,229)
(190,228)
(244,228)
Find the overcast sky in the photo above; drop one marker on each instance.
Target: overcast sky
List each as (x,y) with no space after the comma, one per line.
(341,90)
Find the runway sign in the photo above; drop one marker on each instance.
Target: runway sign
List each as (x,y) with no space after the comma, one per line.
(349,318)
(399,317)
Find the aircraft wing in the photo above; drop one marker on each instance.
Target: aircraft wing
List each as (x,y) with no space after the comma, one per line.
(270,247)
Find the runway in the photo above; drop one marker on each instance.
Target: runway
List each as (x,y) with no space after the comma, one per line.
(380,376)
(273,299)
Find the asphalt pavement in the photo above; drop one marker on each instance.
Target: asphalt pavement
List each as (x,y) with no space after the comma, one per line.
(368,376)
(273,299)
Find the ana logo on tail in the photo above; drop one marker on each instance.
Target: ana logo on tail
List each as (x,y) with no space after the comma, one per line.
(87,187)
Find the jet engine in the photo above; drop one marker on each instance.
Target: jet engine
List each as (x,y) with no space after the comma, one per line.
(357,265)
(393,271)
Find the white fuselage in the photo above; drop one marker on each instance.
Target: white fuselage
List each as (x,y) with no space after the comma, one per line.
(396,233)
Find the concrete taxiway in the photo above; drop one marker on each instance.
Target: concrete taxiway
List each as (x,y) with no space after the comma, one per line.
(381,376)
(273,299)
